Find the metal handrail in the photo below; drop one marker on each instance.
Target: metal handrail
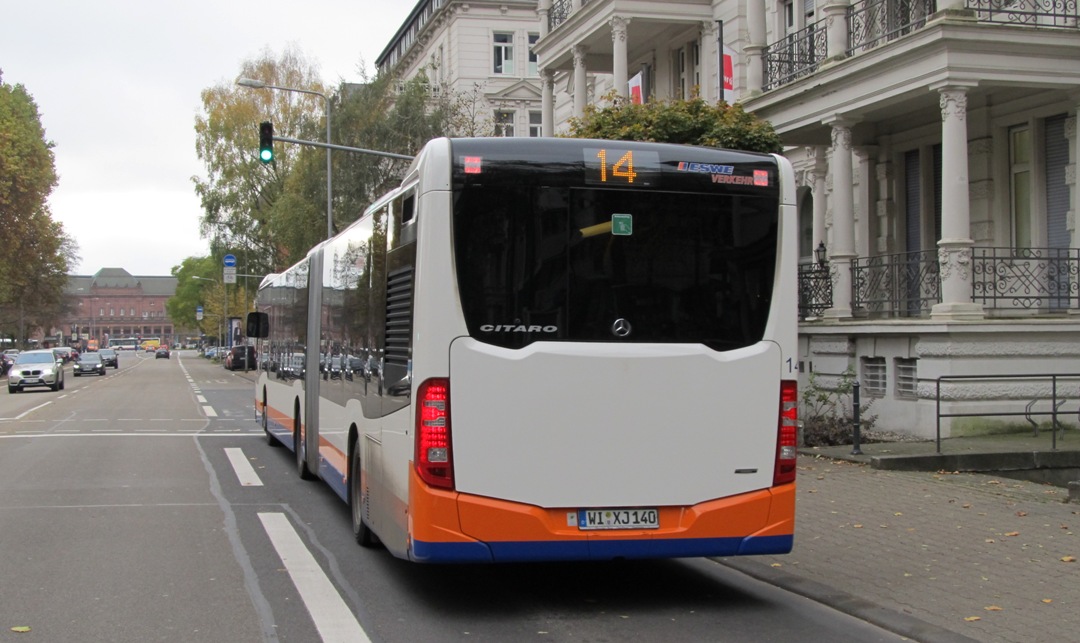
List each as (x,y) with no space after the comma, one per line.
(1055,405)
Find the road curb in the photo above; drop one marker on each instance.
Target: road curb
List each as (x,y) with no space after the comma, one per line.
(888,619)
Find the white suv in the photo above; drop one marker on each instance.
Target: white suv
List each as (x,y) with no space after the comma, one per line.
(36,368)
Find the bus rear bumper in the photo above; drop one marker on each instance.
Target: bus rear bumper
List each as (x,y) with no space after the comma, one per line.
(448,527)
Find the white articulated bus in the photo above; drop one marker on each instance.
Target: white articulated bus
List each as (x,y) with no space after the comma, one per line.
(549,349)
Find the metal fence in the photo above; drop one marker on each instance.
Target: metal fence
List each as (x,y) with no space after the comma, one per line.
(797,55)
(815,289)
(1046,279)
(906,284)
(872,22)
(1060,14)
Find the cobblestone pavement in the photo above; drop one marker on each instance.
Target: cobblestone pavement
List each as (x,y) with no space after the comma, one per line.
(983,557)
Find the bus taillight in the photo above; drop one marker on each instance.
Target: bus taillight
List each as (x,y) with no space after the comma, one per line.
(787,433)
(433,457)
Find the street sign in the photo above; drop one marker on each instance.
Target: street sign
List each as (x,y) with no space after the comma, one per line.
(229,276)
(230,261)
(198,313)
(622,225)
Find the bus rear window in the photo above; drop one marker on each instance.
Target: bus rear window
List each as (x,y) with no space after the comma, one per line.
(539,263)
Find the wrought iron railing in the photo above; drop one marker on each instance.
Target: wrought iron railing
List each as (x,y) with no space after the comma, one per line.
(873,22)
(907,284)
(1046,279)
(797,55)
(559,12)
(815,289)
(1062,14)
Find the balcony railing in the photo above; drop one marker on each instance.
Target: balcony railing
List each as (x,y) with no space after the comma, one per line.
(798,55)
(873,22)
(815,289)
(1044,279)
(1061,14)
(907,284)
(559,12)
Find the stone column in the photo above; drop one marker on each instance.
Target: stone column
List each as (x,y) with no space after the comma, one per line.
(755,48)
(836,28)
(581,87)
(544,12)
(618,63)
(842,252)
(547,102)
(817,185)
(954,249)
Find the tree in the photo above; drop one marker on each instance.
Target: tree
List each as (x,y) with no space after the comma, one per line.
(239,191)
(690,122)
(37,252)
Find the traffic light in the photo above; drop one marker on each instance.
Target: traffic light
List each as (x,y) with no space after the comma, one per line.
(266,141)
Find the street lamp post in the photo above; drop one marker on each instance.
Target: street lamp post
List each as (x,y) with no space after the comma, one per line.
(258,84)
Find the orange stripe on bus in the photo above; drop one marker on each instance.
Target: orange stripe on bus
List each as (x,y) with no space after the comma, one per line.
(447,516)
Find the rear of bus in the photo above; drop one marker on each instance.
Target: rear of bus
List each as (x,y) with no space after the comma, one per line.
(612,372)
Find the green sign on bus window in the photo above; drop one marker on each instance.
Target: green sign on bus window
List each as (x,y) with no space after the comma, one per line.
(622,225)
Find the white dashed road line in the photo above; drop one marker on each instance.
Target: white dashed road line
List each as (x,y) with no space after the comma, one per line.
(245,473)
(333,618)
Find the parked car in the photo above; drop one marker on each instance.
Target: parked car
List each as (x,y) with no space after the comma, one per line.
(109,357)
(36,368)
(240,357)
(162,351)
(89,363)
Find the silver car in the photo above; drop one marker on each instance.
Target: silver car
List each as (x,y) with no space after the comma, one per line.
(36,368)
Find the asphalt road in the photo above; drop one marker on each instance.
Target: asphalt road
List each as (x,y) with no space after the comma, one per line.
(146,506)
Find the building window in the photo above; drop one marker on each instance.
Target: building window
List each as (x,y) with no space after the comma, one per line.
(536,124)
(132,313)
(533,69)
(101,312)
(112,312)
(503,51)
(907,377)
(504,123)
(873,374)
(1020,185)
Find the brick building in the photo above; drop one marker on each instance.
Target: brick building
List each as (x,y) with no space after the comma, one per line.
(112,304)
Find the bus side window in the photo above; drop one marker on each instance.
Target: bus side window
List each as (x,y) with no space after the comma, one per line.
(258,325)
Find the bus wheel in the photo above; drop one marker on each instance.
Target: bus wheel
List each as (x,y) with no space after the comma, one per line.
(300,449)
(361,531)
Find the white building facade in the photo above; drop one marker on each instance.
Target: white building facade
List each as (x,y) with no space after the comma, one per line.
(936,147)
(480,51)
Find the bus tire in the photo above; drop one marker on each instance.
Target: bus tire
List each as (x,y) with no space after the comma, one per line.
(363,534)
(300,450)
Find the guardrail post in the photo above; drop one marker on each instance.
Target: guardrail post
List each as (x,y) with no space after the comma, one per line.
(855,420)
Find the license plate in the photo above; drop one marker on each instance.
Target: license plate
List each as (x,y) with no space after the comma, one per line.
(31,380)
(595,519)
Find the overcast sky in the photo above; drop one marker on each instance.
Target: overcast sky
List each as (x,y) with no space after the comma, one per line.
(117,85)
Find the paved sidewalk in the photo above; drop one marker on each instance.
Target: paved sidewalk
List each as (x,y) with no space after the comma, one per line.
(934,556)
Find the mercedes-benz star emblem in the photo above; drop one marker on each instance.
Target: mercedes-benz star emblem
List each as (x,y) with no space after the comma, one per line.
(621,328)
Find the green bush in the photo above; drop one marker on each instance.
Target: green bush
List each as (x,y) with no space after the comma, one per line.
(827,413)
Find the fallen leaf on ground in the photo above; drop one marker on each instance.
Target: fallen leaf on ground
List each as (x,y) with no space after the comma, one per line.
(21,629)
(1068,559)
(992,608)
(1021,513)
(857,526)
(972,618)
(1048,600)
(776,565)
(1013,533)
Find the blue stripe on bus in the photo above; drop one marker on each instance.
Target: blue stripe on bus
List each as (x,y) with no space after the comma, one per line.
(476,552)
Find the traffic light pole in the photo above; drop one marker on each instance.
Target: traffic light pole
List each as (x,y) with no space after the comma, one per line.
(343,148)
